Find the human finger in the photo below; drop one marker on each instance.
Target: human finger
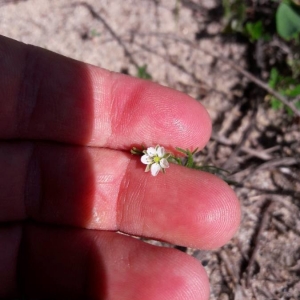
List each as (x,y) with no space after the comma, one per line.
(46,96)
(109,190)
(57,263)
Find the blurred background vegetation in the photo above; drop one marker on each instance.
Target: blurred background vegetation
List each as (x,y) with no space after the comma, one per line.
(273,30)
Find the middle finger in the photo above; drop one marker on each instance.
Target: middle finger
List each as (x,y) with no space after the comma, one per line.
(109,190)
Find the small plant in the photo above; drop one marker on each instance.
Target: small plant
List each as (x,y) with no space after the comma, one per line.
(142,73)
(285,85)
(287,20)
(157,160)
(256,31)
(94,33)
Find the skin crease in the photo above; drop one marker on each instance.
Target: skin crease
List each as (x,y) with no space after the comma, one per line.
(68,184)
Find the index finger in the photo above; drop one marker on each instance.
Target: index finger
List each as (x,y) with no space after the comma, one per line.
(46,96)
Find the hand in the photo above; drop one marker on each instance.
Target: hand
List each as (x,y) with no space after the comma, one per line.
(68,182)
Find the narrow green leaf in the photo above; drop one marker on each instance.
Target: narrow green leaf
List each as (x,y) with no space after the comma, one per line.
(181,150)
(196,150)
(190,159)
(274,78)
(214,169)
(175,160)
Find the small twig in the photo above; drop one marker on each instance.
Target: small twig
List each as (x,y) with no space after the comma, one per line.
(224,273)
(285,161)
(234,65)
(296,99)
(262,154)
(281,192)
(4,2)
(243,139)
(262,227)
(110,30)
(230,267)
(261,84)
(238,295)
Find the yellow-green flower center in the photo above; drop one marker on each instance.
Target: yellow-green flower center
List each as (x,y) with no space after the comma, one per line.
(156,159)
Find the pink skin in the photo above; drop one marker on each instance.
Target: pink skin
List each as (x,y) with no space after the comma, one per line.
(66,130)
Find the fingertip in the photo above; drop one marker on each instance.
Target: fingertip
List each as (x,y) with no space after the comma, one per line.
(216,212)
(184,207)
(147,113)
(223,215)
(195,276)
(195,283)
(143,271)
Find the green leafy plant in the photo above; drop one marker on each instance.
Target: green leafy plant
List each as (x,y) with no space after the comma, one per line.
(287,20)
(287,17)
(143,73)
(285,85)
(235,19)
(256,31)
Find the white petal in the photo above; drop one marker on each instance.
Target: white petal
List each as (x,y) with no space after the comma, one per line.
(164,163)
(155,168)
(151,151)
(160,151)
(145,159)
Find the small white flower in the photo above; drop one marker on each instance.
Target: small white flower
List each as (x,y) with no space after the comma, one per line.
(156,160)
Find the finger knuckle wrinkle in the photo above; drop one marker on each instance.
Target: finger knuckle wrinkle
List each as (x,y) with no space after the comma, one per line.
(33,186)
(30,82)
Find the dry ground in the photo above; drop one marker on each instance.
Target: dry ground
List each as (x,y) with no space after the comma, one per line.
(176,39)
